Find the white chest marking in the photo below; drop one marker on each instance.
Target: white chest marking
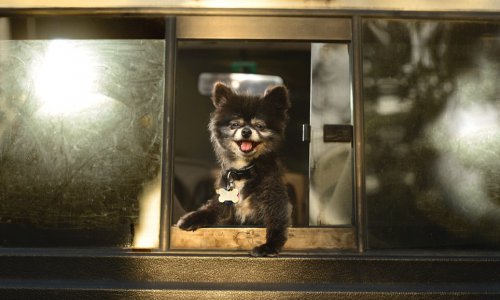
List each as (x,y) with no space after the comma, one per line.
(239,184)
(243,210)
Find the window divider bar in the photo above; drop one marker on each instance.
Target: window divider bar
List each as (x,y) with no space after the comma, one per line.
(168,134)
(359,161)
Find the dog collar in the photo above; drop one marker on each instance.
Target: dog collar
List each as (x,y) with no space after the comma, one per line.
(236,174)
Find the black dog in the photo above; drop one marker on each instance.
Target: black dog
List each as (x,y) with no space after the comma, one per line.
(246,132)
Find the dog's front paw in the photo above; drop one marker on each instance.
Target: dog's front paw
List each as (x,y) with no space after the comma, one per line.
(189,222)
(265,250)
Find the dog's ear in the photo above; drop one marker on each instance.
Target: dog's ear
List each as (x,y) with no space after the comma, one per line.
(221,93)
(278,96)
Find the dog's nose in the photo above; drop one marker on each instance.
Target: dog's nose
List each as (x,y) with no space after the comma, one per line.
(246,132)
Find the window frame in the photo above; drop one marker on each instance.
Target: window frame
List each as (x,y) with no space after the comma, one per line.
(258,28)
(334,275)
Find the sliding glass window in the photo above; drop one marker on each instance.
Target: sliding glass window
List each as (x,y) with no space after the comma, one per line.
(81,119)
(432,121)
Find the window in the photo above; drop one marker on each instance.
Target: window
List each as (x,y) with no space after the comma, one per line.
(83,142)
(432,121)
(423,134)
(83,139)
(317,74)
(81,131)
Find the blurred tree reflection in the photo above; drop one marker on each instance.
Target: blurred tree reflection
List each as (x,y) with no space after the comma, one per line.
(426,83)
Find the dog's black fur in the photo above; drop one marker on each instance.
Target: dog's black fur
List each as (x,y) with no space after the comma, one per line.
(246,132)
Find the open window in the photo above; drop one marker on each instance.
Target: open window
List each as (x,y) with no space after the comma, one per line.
(249,54)
(83,116)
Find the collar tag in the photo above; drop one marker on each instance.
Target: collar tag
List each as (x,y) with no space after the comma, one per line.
(232,196)
(229,181)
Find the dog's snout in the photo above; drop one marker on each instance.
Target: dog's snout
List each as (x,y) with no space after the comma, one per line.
(246,132)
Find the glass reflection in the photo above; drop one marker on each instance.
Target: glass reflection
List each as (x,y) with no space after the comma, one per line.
(80,141)
(432,134)
(330,185)
(65,79)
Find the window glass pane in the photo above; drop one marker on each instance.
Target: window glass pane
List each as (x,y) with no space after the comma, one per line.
(330,184)
(80,141)
(432,133)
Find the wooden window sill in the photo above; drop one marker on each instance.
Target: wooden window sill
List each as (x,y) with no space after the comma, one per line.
(245,238)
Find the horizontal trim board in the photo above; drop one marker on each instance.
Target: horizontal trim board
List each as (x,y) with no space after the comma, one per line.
(21,289)
(403,5)
(241,295)
(264,28)
(340,269)
(246,238)
(489,14)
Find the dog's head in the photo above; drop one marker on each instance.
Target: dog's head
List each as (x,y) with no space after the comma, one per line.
(245,126)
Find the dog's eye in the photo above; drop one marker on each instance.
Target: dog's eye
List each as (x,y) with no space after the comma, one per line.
(260,126)
(234,125)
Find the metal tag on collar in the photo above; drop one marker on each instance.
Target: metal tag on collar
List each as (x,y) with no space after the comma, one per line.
(228,197)
(229,181)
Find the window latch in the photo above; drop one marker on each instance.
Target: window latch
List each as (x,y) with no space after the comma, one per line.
(306,133)
(337,133)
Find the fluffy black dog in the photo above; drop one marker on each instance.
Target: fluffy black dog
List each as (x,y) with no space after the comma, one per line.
(246,132)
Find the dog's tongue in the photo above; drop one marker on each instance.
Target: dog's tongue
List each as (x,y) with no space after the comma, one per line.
(246,146)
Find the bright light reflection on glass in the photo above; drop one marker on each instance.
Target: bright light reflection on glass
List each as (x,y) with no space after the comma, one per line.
(65,79)
(477,119)
(251,83)
(147,231)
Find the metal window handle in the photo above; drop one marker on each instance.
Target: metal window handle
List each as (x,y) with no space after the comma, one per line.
(306,133)
(332,133)
(337,133)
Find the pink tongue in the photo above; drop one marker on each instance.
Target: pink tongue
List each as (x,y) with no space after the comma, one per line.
(246,146)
